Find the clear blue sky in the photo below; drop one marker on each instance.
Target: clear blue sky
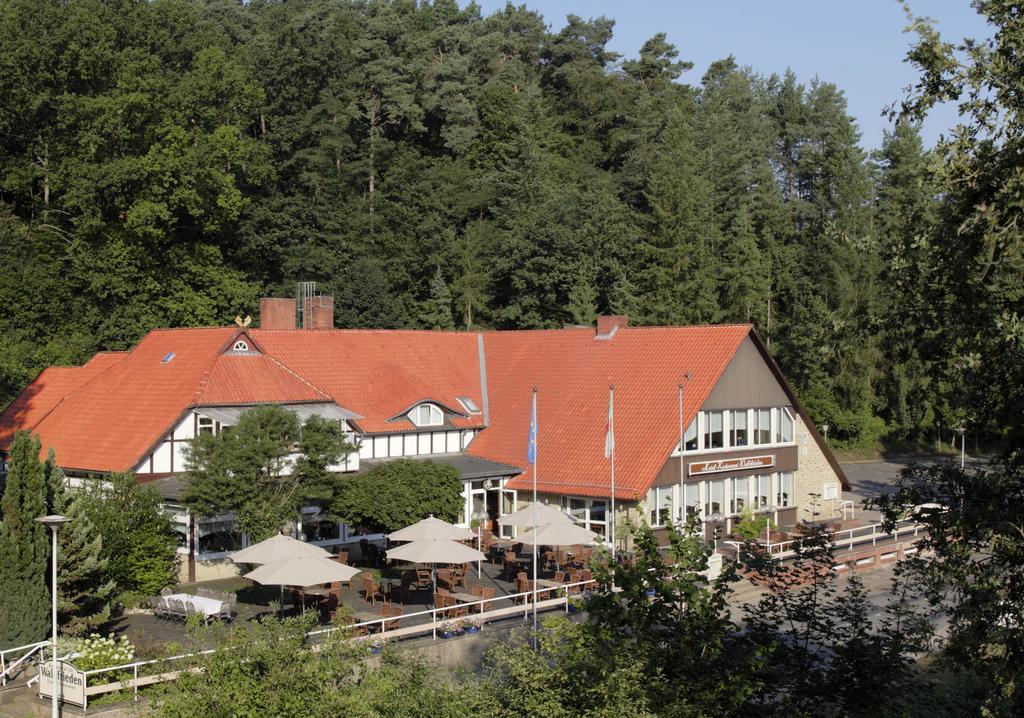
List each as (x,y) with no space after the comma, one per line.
(857,44)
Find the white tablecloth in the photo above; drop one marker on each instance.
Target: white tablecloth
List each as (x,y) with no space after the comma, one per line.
(209,606)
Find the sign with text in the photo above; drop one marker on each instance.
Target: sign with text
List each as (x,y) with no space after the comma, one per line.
(738,464)
(71,688)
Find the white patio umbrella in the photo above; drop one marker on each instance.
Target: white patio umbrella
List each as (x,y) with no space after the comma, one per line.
(546,514)
(435,551)
(277,548)
(558,535)
(307,571)
(429,529)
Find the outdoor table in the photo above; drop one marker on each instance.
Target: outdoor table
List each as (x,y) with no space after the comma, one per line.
(547,583)
(207,606)
(468,598)
(367,616)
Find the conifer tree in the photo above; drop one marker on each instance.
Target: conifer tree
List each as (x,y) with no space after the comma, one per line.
(24,547)
(83,590)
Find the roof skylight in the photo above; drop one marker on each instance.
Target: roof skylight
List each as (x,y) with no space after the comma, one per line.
(469,405)
(167,358)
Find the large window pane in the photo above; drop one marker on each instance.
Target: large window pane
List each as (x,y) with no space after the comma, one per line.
(762,426)
(713,438)
(665,505)
(690,437)
(715,498)
(786,425)
(739,495)
(763,489)
(691,498)
(219,536)
(738,428)
(785,489)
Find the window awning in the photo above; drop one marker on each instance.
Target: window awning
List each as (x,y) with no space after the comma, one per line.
(229,414)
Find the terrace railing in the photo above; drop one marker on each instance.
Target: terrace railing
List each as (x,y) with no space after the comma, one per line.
(13,658)
(845,539)
(165,669)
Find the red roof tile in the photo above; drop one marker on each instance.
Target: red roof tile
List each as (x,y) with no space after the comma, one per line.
(380,373)
(572,371)
(108,424)
(47,391)
(252,378)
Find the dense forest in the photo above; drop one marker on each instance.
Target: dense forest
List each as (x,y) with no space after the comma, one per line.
(165,163)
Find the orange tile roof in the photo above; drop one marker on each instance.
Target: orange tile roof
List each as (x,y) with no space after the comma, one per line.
(107,415)
(572,371)
(47,391)
(379,374)
(253,378)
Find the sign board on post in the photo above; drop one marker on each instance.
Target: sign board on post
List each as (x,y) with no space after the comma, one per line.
(71,688)
(739,464)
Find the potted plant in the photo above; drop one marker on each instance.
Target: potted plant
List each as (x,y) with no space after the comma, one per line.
(576,604)
(448,629)
(472,624)
(377,644)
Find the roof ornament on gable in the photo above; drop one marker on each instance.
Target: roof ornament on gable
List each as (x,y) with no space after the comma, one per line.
(243,322)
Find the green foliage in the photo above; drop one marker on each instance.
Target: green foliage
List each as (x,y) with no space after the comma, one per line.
(266,668)
(24,547)
(245,470)
(103,652)
(139,546)
(751,526)
(84,585)
(398,493)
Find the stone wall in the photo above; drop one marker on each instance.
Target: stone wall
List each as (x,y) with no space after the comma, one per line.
(810,478)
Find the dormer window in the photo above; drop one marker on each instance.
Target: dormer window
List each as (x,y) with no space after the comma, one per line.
(426,415)
(240,346)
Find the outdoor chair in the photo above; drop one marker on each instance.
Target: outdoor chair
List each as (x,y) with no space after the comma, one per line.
(397,593)
(156,603)
(341,557)
(203,592)
(423,577)
(586,575)
(390,610)
(176,609)
(511,564)
(457,577)
(298,597)
(542,593)
(559,577)
(550,559)
(330,605)
(166,592)
(485,594)
(351,622)
(371,590)
(522,587)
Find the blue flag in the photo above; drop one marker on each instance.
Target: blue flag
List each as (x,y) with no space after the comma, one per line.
(531,451)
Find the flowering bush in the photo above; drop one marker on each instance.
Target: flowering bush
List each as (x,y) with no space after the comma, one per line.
(95,651)
(451,627)
(471,622)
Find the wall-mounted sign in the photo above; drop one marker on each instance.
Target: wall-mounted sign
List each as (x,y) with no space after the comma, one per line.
(739,464)
(72,682)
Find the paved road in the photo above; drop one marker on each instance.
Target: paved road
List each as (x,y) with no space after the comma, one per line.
(869,479)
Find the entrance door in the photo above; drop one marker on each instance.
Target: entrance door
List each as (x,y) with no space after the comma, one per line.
(493,510)
(508,505)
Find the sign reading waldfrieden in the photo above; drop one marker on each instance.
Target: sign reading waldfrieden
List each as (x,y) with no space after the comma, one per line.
(738,464)
(72,682)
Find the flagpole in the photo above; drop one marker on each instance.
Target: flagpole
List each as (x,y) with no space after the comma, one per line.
(683,518)
(533,432)
(611,428)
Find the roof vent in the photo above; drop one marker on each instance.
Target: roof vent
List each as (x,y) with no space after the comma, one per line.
(167,358)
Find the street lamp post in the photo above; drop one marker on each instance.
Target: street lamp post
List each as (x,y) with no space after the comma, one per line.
(824,427)
(54,523)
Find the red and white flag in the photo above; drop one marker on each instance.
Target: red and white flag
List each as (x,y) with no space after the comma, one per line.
(609,436)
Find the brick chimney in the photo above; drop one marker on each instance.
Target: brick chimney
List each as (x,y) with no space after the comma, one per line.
(319,313)
(277,313)
(607,325)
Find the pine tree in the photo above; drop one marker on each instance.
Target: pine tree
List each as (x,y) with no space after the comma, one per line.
(437,310)
(583,297)
(24,548)
(83,591)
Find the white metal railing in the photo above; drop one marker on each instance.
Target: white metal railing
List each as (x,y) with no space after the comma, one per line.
(381,623)
(7,666)
(847,538)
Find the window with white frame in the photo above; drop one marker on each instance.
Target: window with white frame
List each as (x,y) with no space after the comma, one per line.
(785,431)
(739,492)
(762,491)
(590,513)
(714,437)
(715,500)
(427,415)
(206,425)
(469,405)
(240,346)
(762,426)
(661,501)
(784,496)
(831,492)
(738,428)
(690,437)
(219,535)
(691,500)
